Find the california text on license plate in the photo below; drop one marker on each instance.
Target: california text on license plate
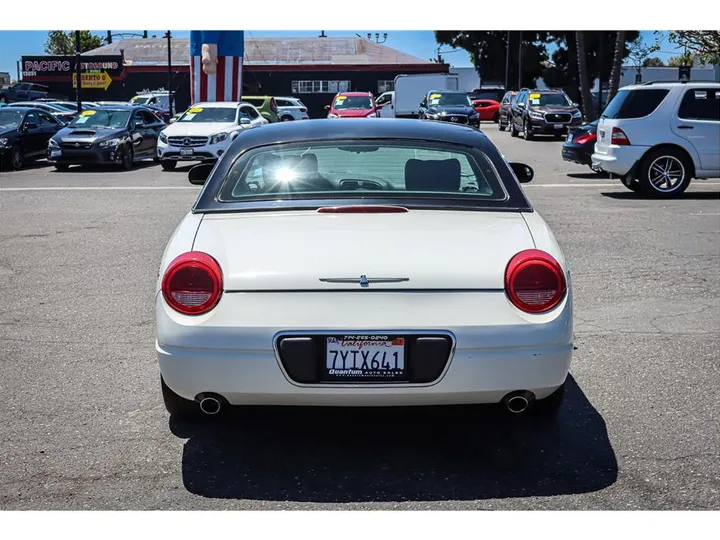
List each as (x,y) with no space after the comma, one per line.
(365,358)
(186,151)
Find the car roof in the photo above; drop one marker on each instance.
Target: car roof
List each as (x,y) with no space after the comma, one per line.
(22,108)
(122,108)
(351,94)
(670,84)
(218,104)
(448,92)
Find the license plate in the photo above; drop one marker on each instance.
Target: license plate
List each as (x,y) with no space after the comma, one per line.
(559,126)
(55,153)
(569,137)
(186,151)
(365,358)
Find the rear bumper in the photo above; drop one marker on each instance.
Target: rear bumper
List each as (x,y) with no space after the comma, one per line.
(231,351)
(577,154)
(618,160)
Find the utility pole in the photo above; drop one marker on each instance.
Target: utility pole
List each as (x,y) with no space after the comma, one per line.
(17,65)
(507,62)
(109,37)
(78,78)
(600,75)
(170,93)
(520,53)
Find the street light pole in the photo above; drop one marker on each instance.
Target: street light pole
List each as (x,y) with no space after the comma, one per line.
(520,51)
(507,61)
(78,79)
(170,94)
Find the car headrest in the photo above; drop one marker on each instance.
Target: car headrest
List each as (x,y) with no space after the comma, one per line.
(308,164)
(432,175)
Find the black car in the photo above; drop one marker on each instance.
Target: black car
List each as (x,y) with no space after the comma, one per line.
(449,106)
(118,136)
(505,109)
(580,144)
(24,135)
(25,91)
(546,112)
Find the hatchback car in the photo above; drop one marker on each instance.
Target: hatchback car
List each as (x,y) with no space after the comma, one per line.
(657,137)
(352,105)
(363,263)
(266,105)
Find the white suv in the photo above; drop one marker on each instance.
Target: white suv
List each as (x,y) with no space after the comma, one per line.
(204,132)
(290,108)
(658,136)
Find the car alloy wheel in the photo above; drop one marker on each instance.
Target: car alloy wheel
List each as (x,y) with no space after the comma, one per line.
(513,131)
(527,133)
(168,164)
(665,173)
(16,158)
(127,159)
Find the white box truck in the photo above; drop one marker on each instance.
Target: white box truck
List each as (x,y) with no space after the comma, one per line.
(410,90)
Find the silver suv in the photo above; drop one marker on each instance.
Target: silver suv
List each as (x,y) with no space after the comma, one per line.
(658,136)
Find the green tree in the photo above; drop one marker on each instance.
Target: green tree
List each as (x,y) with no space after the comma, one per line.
(63,43)
(618,56)
(685,59)
(488,48)
(704,44)
(583,76)
(653,61)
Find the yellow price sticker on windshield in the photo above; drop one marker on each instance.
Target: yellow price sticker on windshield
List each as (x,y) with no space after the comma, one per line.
(434,96)
(534,96)
(340,98)
(87,113)
(195,110)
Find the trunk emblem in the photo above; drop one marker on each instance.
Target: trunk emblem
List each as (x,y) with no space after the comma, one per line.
(364,281)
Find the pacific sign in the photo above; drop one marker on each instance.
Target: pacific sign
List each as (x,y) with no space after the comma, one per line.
(46,67)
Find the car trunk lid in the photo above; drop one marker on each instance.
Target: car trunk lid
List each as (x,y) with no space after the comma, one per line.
(309,250)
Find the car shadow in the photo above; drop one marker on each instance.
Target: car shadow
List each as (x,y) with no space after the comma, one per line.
(688,195)
(408,454)
(137,166)
(590,176)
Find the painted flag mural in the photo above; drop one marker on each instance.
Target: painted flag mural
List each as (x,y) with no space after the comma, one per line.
(216,59)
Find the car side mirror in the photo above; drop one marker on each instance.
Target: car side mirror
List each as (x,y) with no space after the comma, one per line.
(523,172)
(173,120)
(30,125)
(199,174)
(245,122)
(521,105)
(327,107)
(575,104)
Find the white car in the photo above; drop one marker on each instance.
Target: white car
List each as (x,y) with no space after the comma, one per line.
(204,131)
(290,108)
(659,136)
(363,263)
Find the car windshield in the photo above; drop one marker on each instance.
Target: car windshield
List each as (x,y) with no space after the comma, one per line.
(102,118)
(209,114)
(10,119)
(355,169)
(141,100)
(352,102)
(450,100)
(549,99)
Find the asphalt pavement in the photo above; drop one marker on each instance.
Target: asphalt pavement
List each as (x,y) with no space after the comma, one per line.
(84,427)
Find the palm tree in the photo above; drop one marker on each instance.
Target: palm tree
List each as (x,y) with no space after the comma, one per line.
(617,65)
(583,75)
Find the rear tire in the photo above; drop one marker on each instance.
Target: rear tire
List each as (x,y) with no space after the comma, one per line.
(287,118)
(527,132)
(513,131)
(178,407)
(664,173)
(630,183)
(128,159)
(168,165)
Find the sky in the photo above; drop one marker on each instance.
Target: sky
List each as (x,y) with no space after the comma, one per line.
(15,43)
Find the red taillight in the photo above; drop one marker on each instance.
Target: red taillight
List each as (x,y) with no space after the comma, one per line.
(534,281)
(273,105)
(588,137)
(362,209)
(619,137)
(193,283)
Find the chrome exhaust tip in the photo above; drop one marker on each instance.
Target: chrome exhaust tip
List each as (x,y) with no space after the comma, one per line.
(210,405)
(518,402)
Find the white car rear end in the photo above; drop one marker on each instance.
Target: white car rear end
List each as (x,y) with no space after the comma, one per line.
(333,298)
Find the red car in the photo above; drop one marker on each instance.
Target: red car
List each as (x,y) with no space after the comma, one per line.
(352,105)
(487,109)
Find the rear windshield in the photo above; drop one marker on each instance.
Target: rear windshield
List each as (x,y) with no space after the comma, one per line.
(634,103)
(352,169)
(352,102)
